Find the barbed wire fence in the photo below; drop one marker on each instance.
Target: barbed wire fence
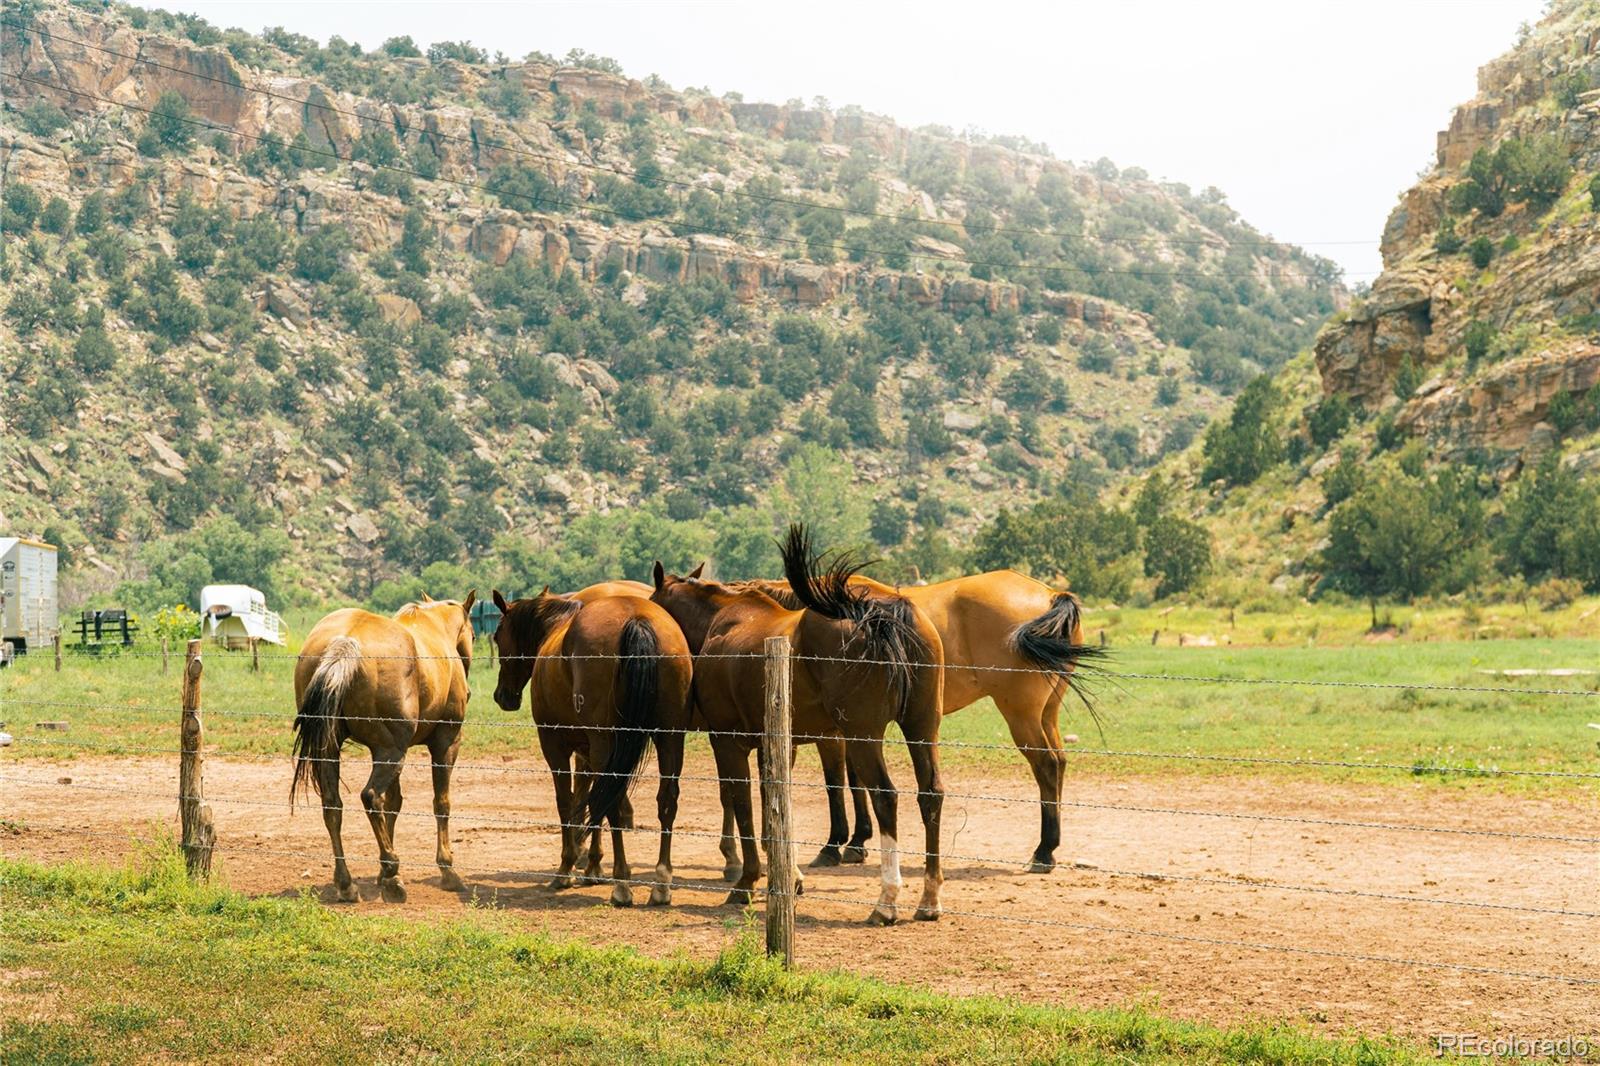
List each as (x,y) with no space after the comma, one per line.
(783,894)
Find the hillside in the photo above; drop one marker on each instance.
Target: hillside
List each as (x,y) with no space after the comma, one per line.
(1440,437)
(339,314)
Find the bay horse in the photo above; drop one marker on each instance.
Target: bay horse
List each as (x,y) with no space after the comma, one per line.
(1005,636)
(862,661)
(390,684)
(608,674)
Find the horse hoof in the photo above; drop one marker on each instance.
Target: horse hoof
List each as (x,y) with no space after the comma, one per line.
(881,916)
(732,872)
(739,897)
(660,896)
(622,896)
(799,886)
(392,890)
(590,878)
(928,914)
(560,882)
(345,894)
(853,855)
(1037,865)
(451,881)
(828,856)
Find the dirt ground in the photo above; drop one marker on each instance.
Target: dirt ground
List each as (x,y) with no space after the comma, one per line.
(987,942)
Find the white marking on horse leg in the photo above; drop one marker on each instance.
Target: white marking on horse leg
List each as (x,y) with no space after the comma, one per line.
(889,849)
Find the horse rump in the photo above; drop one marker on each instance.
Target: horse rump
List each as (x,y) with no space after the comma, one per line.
(637,685)
(316,721)
(1050,642)
(886,625)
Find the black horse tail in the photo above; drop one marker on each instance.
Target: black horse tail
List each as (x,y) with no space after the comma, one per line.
(886,625)
(1050,642)
(638,680)
(316,721)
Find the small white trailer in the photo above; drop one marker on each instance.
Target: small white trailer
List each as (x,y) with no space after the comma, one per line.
(28,609)
(234,615)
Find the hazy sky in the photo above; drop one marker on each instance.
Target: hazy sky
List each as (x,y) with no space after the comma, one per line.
(1311,115)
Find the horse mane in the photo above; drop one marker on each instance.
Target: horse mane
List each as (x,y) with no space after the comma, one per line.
(775,590)
(885,624)
(531,619)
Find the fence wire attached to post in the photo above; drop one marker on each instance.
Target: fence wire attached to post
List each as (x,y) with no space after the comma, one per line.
(199,835)
(776,748)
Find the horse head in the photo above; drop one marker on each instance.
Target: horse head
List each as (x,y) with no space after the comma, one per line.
(524,625)
(690,600)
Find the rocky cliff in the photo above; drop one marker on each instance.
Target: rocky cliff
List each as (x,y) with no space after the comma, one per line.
(404,306)
(1480,335)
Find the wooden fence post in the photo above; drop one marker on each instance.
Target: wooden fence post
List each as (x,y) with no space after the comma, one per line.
(255,655)
(199,835)
(163,656)
(56,640)
(776,746)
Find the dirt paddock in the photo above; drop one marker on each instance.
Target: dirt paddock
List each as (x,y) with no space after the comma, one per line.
(1188,972)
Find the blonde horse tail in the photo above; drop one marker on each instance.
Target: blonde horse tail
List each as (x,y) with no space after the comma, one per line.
(316,723)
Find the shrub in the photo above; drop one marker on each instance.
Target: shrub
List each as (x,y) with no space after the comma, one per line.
(1480,251)
(1557,592)
(170,124)
(1477,339)
(56,217)
(20,208)
(1407,378)
(42,118)
(1344,479)
(1169,391)
(1326,421)
(1239,450)
(1177,552)
(1447,241)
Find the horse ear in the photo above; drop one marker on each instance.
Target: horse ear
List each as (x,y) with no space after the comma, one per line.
(660,574)
(697,571)
(426,598)
(466,604)
(500,601)
(546,591)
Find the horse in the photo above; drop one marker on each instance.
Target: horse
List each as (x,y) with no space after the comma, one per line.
(608,673)
(1005,636)
(863,661)
(390,684)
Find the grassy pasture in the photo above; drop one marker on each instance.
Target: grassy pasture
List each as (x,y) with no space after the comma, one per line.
(137,965)
(124,703)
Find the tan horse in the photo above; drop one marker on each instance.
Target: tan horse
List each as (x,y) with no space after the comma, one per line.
(1005,636)
(862,661)
(608,674)
(390,684)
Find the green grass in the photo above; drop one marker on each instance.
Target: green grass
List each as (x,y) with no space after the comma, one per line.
(137,964)
(124,704)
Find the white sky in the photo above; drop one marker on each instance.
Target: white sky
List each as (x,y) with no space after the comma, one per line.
(1312,115)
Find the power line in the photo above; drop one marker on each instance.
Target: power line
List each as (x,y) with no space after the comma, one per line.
(536,200)
(518,150)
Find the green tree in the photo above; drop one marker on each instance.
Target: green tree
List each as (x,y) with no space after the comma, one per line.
(1177,552)
(1481,251)
(1241,449)
(1326,421)
(889,523)
(816,488)
(170,122)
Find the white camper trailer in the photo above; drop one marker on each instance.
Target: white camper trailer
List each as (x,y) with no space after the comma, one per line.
(27,592)
(233,615)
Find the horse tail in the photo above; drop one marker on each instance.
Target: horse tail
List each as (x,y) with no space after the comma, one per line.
(316,722)
(637,684)
(1054,642)
(886,625)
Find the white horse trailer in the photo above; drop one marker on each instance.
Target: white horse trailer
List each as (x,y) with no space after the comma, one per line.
(28,616)
(234,615)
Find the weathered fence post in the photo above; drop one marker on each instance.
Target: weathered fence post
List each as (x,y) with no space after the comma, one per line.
(776,746)
(255,655)
(56,640)
(198,833)
(163,656)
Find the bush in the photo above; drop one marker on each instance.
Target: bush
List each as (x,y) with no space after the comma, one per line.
(1326,421)
(1239,450)
(1177,552)
(1169,391)
(890,522)
(20,208)
(1477,339)
(1407,378)
(56,217)
(1344,479)
(42,118)
(1481,251)
(1447,241)
(1557,592)
(170,124)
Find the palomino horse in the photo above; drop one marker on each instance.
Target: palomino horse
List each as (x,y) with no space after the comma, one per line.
(390,684)
(1005,636)
(863,661)
(608,675)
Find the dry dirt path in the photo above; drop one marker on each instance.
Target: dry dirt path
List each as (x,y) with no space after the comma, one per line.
(1188,972)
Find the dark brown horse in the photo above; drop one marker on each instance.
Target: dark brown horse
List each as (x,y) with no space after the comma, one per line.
(1005,636)
(862,661)
(608,674)
(390,684)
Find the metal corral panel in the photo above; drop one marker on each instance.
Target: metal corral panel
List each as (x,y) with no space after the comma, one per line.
(27,591)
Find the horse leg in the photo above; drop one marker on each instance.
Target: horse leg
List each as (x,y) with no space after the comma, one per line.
(592,857)
(559,759)
(381,793)
(856,850)
(442,748)
(866,758)
(1032,730)
(333,817)
(621,819)
(923,745)
(669,760)
(733,770)
(831,752)
(732,866)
